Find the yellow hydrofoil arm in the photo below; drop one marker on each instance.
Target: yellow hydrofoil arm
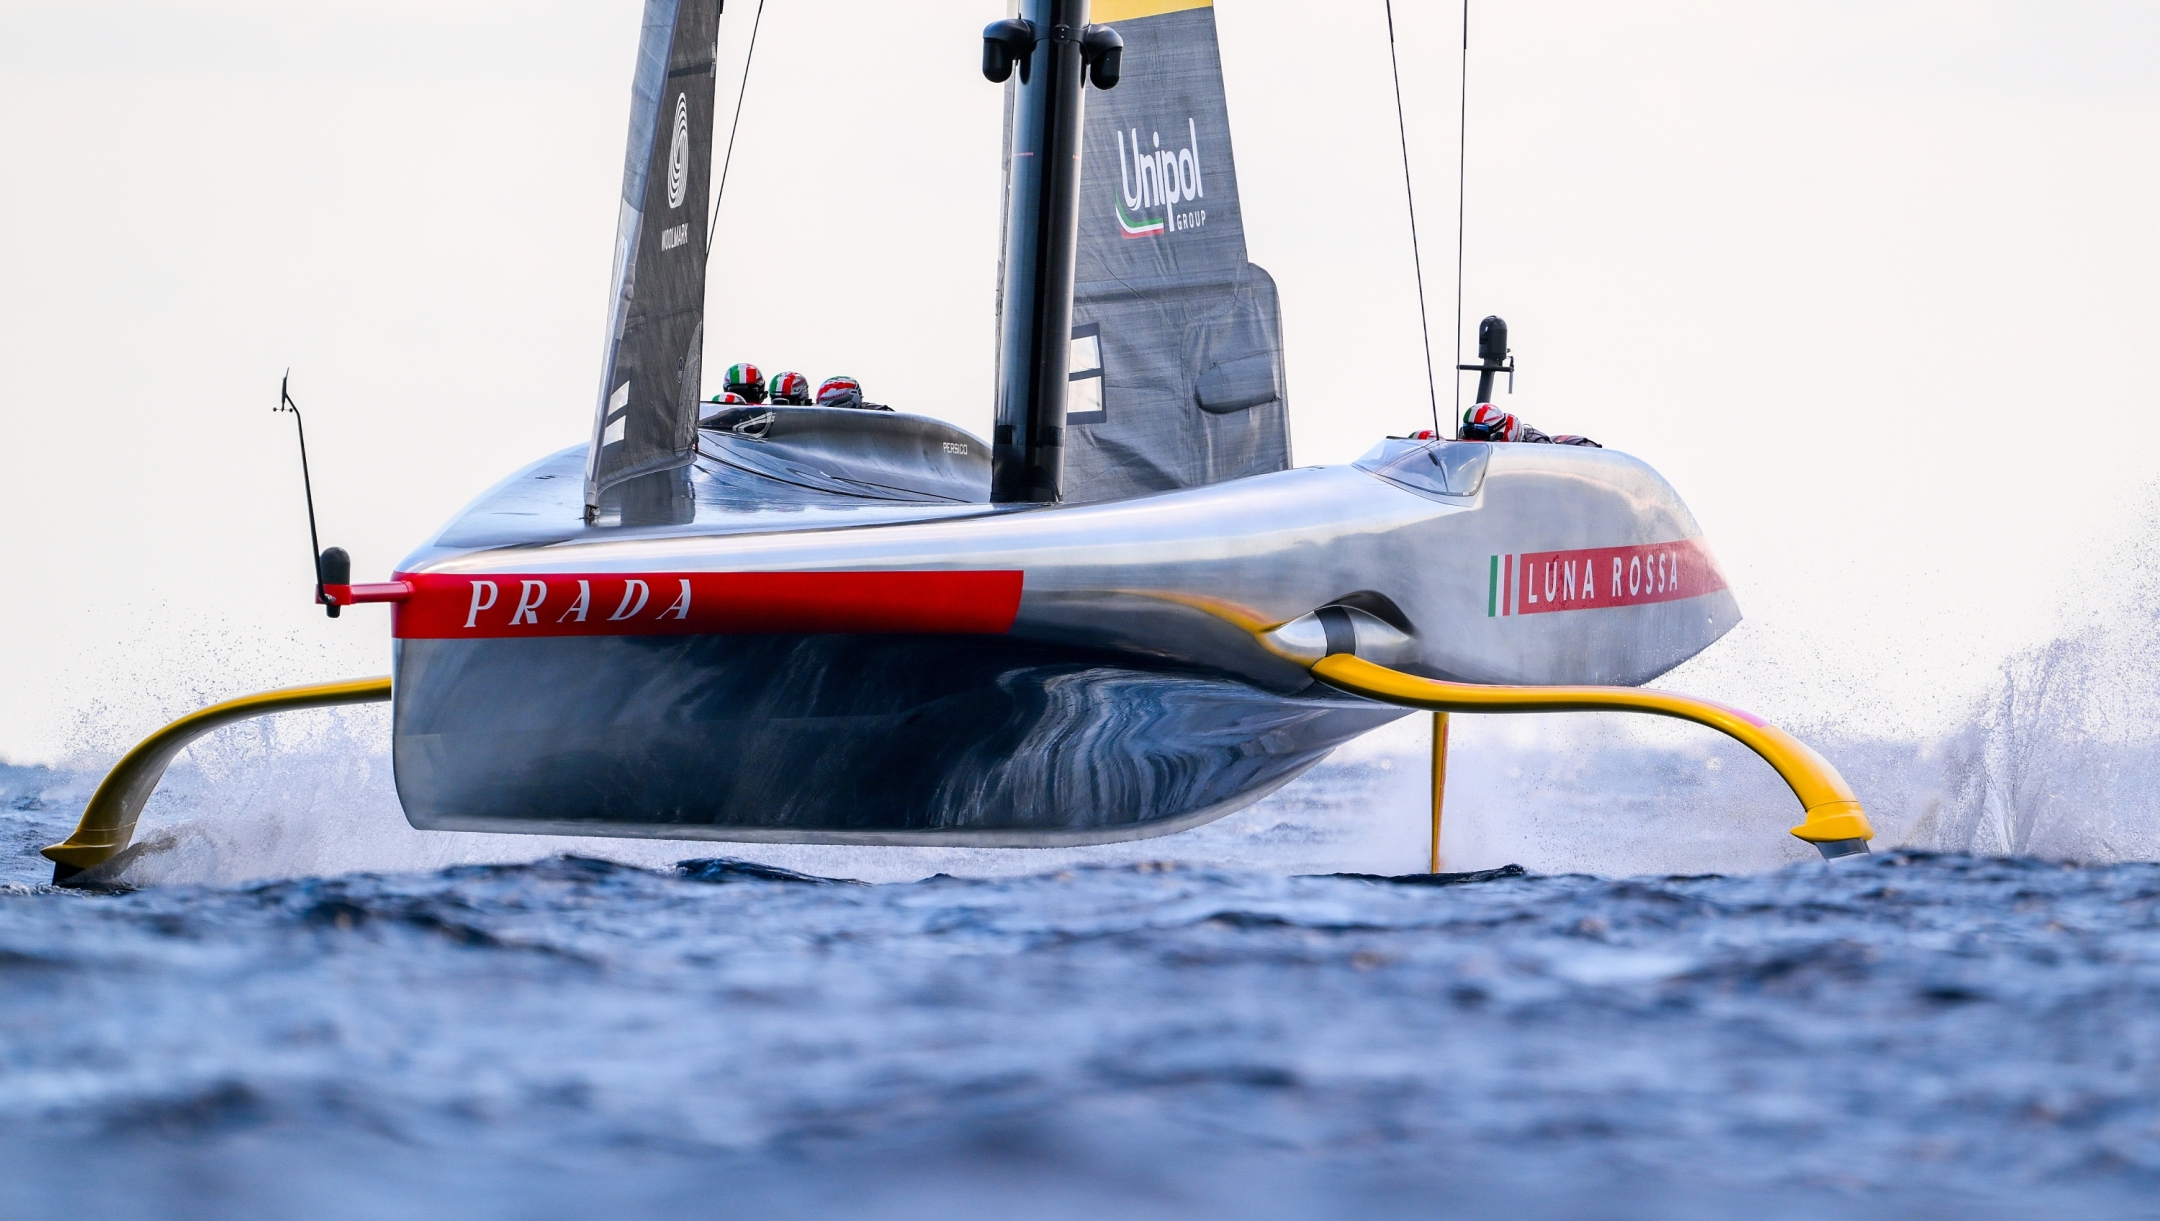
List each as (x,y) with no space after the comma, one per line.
(1834,822)
(108,822)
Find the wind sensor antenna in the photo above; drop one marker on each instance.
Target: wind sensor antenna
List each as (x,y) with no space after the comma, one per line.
(336,556)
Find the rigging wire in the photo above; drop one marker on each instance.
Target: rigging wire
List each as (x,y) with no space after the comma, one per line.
(1409,197)
(733,125)
(1432,391)
(1462,166)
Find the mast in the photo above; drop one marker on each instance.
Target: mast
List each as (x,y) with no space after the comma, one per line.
(1052,49)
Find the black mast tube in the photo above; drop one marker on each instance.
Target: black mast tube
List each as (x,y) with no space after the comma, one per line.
(1027,454)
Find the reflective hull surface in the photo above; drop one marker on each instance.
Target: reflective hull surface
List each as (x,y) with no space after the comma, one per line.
(1149,673)
(871,739)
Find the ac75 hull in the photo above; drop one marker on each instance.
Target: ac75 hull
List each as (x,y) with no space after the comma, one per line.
(813,637)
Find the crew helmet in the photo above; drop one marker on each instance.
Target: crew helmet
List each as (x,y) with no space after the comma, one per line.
(789,389)
(729,398)
(1486,422)
(746,380)
(841,391)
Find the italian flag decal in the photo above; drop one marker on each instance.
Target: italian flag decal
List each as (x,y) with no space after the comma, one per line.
(1132,226)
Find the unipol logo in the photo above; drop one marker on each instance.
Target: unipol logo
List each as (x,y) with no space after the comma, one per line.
(678,156)
(1153,181)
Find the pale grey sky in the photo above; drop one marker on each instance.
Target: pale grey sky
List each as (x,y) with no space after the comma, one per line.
(1871,283)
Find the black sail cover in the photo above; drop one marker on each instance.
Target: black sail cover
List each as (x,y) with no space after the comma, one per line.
(647,419)
(1177,364)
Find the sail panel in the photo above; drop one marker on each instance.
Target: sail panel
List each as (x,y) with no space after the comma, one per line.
(1189,385)
(647,415)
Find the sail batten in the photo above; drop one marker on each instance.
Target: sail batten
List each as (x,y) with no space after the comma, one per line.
(646,420)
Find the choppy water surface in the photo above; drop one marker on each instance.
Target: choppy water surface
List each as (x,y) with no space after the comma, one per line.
(1909,1034)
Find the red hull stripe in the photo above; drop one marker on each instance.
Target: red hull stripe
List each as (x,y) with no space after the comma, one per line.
(497,605)
(1597,577)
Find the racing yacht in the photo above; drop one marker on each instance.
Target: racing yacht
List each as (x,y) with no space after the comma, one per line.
(821,625)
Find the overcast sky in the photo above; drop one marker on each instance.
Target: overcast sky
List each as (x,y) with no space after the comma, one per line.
(1873,284)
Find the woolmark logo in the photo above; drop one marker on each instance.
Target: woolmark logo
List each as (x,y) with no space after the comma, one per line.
(678,157)
(1153,181)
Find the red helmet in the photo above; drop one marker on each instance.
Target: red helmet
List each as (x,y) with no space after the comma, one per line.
(840,391)
(790,389)
(1486,422)
(729,397)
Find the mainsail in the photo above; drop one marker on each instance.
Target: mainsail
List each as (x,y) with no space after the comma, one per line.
(1177,366)
(647,418)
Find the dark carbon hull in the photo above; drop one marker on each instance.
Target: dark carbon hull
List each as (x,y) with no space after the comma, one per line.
(838,739)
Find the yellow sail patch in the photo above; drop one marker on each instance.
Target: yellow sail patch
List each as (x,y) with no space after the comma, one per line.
(1126,10)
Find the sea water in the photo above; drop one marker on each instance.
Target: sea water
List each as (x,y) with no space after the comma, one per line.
(285,1002)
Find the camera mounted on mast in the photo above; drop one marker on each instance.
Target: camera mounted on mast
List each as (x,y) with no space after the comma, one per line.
(1011,43)
(1493,357)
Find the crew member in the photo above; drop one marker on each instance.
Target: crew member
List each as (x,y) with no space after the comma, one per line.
(790,389)
(746,380)
(844,391)
(1486,422)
